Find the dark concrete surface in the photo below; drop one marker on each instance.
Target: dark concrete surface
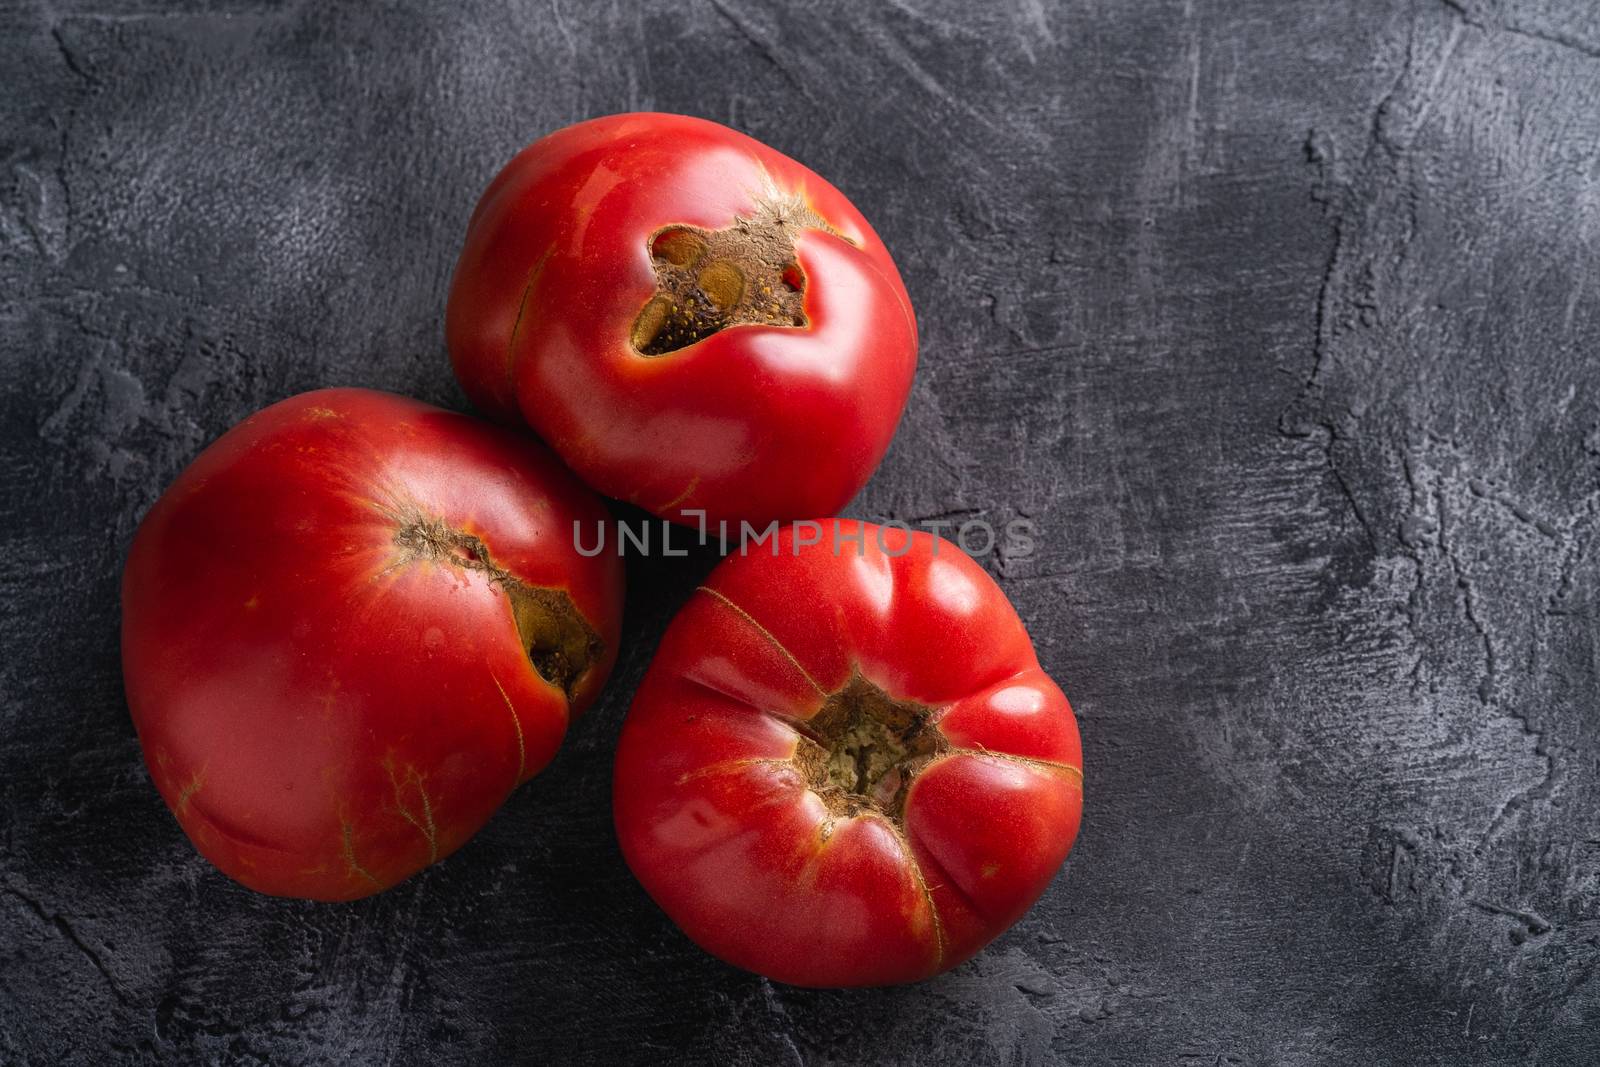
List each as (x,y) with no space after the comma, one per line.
(1280,319)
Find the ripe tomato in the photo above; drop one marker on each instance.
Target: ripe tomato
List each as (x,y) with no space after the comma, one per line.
(847,769)
(691,319)
(350,628)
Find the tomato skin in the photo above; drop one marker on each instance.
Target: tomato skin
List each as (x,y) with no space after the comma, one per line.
(755,422)
(728,835)
(325,711)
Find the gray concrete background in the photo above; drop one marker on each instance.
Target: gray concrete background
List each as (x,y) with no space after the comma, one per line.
(1279,318)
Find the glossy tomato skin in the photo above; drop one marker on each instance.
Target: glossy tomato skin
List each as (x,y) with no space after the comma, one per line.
(319,645)
(755,422)
(722,825)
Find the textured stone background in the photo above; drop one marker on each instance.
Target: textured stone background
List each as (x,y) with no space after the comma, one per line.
(1279,318)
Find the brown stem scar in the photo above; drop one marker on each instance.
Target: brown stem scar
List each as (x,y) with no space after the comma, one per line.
(861,751)
(559,641)
(743,274)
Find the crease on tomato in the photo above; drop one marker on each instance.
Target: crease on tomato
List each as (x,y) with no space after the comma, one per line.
(348,851)
(919,878)
(742,701)
(978,703)
(1071,773)
(193,811)
(732,766)
(422,821)
(766,634)
(534,274)
(702,796)
(516,723)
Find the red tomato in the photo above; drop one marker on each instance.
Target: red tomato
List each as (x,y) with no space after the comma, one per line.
(847,769)
(693,320)
(350,628)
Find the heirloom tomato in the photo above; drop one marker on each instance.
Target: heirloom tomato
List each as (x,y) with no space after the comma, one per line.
(845,765)
(350,628)
(694,321)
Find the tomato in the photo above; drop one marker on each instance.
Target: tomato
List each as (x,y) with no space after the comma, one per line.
(694,321)
(845,766)
(350,628)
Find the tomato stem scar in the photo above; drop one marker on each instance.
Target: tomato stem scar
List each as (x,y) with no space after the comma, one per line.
(863,749)
(743,274)
(559,641)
